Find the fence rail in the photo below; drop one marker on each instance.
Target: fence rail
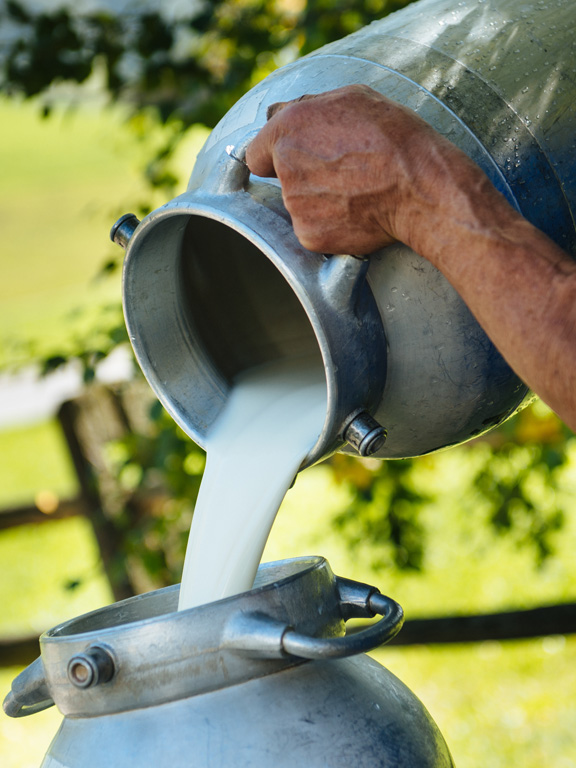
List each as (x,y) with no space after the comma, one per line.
(509,625)
(30,514)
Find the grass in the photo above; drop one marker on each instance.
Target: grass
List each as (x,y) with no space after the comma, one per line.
(64,182)
(50,572)
(498,704)
(34,459)
(59,192)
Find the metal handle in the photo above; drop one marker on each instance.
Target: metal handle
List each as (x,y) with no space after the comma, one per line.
(29,692)
(374,603)
(259,636)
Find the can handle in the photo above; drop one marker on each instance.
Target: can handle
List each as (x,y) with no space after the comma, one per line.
(357,600)
(30,693)
(259,636)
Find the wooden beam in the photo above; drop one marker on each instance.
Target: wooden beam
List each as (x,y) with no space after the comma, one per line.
(510,625)
(15,516)
(557,619)
(18,652)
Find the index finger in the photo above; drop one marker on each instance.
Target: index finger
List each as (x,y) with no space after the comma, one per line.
(259,154)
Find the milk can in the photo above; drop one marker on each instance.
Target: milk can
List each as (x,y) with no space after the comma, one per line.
(264,679)
(215,280)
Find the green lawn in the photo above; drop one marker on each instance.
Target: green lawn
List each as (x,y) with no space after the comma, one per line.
(498,704)
(50,572)
(64,182)
(58,192)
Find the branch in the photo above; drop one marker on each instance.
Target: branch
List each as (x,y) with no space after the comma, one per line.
(557,619)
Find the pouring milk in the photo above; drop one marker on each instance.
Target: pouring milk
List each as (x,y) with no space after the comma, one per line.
(271,420)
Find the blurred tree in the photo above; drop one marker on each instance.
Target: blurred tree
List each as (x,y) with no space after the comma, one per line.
(181,65)
(178,66)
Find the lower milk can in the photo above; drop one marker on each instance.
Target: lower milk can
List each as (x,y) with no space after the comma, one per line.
(264,678)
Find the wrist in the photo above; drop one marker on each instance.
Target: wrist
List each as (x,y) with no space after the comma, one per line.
(457,213)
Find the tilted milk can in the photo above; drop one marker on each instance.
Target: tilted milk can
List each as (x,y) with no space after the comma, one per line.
(228,684)
(215,280)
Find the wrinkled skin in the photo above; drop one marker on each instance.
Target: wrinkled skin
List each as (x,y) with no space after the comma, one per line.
(359,172)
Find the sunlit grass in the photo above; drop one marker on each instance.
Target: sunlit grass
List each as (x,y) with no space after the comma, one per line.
(60,188)
(24,741)
(64,182)
(498,705)
(34,458)
(50,572)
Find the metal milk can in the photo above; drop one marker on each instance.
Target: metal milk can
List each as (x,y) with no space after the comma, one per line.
(262,679)
(215,280)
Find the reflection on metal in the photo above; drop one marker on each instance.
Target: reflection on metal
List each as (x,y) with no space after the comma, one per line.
(216,281)
(226,684)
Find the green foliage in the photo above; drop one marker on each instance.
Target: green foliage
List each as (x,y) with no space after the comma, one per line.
(190,68)
(327,20)
(518,482)
(385,510)
(182,70)
(91,348)
(515,488)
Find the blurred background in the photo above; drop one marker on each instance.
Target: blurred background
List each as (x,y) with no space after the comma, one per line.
(103,107)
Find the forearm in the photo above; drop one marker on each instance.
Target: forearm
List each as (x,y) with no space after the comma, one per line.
(520,286)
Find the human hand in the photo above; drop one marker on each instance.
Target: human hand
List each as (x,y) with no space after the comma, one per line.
(358,171)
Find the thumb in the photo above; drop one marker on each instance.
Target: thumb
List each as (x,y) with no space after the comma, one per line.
(259,153)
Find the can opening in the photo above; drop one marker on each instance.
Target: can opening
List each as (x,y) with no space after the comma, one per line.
(203,303)
(242,308)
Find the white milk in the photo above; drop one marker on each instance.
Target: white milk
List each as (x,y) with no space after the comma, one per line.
(272,419)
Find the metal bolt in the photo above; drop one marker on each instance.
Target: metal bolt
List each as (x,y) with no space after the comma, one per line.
(88,669)
(123,229)
(364,434)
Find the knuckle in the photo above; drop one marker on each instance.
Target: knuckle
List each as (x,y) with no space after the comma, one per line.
(312,239)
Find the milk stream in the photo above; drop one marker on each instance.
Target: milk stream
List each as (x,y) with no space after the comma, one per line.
(271,420)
